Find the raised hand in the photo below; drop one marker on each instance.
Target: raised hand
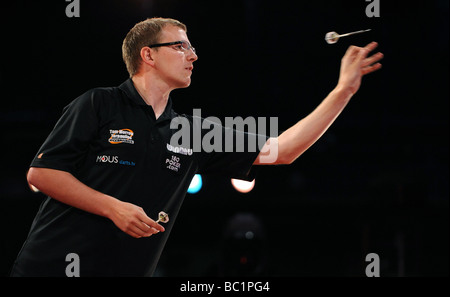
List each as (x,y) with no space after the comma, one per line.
(355,64)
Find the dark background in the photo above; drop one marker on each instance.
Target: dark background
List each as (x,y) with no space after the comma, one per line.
(376,182)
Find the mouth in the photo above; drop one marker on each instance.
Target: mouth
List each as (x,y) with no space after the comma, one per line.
(189,68)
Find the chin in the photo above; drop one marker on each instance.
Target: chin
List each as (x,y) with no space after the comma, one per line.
(180,84)
(186,84)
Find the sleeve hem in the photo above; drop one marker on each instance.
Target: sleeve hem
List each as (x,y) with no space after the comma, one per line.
(52,165)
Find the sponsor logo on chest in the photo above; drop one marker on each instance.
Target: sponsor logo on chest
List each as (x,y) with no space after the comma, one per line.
(121,136)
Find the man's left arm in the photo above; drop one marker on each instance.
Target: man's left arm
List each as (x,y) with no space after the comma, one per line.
(297,139)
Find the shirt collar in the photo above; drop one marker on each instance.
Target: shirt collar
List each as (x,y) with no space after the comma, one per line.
(131,92)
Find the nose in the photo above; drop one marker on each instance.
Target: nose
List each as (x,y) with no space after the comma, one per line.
(192,57)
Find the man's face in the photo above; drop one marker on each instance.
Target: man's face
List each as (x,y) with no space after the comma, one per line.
(173,63)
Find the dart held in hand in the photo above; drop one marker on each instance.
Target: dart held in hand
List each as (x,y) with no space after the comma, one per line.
(162,217)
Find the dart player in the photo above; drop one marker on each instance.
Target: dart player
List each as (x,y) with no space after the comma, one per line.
(104,165)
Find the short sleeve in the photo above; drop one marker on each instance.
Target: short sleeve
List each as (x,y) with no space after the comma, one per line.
(68,142)
(236,156)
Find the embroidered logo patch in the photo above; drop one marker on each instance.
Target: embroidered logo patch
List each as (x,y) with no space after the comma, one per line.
(173,163)
(179,150)
(121,136)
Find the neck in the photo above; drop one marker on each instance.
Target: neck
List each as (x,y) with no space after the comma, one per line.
(154,94)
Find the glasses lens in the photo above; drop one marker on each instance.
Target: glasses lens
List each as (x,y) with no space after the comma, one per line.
(186,46)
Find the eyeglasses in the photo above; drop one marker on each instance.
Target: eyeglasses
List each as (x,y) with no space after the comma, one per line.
(183,45)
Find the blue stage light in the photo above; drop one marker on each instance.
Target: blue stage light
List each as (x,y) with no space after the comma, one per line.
(196,184)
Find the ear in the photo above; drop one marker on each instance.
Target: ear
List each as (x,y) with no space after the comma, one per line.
(146,56)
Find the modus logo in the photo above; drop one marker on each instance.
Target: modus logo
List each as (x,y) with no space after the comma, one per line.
(114,160)
(121,136)
(107,159)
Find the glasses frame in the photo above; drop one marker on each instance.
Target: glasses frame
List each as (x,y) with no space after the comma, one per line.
(182,43)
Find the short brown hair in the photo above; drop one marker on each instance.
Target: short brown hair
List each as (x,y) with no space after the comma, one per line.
(143,34)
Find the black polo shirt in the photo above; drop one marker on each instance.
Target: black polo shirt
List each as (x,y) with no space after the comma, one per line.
(110,140)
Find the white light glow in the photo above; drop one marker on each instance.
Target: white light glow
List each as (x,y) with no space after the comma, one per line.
(242,186)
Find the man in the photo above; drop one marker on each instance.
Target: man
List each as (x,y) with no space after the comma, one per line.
(109,166)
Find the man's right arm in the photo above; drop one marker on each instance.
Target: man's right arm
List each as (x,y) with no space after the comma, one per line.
(64,187)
